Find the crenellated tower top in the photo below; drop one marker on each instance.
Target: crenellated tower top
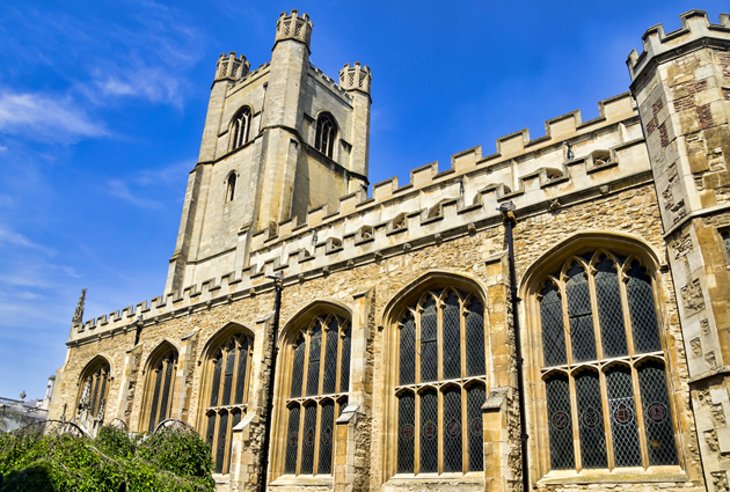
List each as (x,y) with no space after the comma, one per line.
(294,26)
(355,78)
(231,67)
(657,44)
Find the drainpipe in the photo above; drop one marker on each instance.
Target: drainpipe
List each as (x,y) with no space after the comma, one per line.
(273,334)
(508,217)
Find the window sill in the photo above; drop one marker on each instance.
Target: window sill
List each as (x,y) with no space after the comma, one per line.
(435,478)
(221,478)
(303,481)
(655,474)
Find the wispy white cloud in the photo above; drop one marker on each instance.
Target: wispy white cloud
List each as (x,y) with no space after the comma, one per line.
(123,191)
(153,84)
(3,148)
(130,190)
(41,116)
(9,237)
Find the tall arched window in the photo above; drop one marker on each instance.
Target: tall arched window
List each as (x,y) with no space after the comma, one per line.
(230,186)
(603,366)
(240,126)
(326,134)
(440,383)
(320,381)
(160,386)
(228,374)
(94,388)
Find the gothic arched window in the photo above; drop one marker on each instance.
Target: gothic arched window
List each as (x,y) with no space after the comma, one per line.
(160,386)
(239,129)
(603,366)
(230,187)
(320,381)
(440,383)
(94,388)
(326,134)
(228,374)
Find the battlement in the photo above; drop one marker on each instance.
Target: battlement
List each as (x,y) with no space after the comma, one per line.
(572,161)
(294,26)
(231,67)
(356,77)
(657,43)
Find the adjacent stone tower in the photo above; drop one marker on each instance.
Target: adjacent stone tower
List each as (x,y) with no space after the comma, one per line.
(681,83)
(277,141)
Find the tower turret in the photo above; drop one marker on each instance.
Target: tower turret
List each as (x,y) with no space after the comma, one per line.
(355,79)
(294,26)
(231,67)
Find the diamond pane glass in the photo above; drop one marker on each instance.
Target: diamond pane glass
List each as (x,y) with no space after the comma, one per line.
(222,443)
(406,432)
(429,432)
(407,350)
(298,368)
(228,375)
(345,364)
(308,439)
(210,429)
(657,417)
(590,420)
(315,352)
(560,423)
(292,441)
(329,385)
(429,354)
(452,338)
(326,433)
(623,417)
(475,339)
(726,242)
(553,333)
(241,370)
(579,312)
(215,386)
(452,429)
(475,397)
(610,314)
(642,309)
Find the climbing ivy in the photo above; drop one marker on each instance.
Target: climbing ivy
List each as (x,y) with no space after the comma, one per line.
(170,460)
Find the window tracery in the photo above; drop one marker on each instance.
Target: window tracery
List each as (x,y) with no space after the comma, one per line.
(326,134)
(239,129)
(94,388)
(317,393)
(160,385)
(440,387)
(228,374)
(603,366)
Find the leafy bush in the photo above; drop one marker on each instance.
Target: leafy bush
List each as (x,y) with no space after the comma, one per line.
(167,461)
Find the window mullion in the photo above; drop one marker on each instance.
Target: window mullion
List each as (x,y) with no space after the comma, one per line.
(575,423)
(300,441)
(419,345)
(249,350)
(236,361)
(440,433)
(639,417)
(326,333)
(464,431)
(317,436)
(622,279)
(566,323)
(417,436)
(339,333)
(598,337)
(610,455)
(462,337)
(440,339)
(305,365)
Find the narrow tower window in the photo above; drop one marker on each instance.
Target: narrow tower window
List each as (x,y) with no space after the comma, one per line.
(230,187)
(326,134)
(240,125)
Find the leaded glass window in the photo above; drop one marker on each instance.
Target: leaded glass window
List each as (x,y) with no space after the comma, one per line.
(597,315)
(726,242)
(320,371)
(440,341)
(161,373)
(240,126)
(94,389)
(326,134)
(229,376)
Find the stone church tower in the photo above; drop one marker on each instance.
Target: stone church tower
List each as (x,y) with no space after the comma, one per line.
(553,316)
(263,158)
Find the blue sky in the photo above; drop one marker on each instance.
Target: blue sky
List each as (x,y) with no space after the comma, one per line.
(102,105)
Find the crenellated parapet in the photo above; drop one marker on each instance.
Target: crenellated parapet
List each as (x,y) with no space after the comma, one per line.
(607,154)
(231,67)
(294,26)
(356,78)
(657,44)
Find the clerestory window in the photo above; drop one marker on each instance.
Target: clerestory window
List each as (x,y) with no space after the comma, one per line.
(317,394)
(603,366)
(326,133)
(228,374)
(440,388)
(239,129)
(160,386)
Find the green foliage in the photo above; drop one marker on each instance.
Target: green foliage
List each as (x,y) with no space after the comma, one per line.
(167,461)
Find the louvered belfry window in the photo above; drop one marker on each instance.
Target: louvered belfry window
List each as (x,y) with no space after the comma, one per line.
(160,387)
(240,126)
(229,369)
(320,381)
(440,387)
(326,134)
(603,366)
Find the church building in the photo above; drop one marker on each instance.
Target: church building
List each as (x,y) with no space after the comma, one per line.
(553,316)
